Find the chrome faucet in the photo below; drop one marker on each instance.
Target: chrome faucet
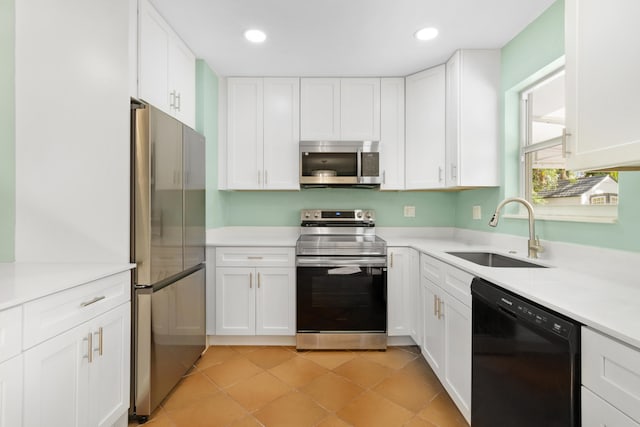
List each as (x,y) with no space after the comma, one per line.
(534,243)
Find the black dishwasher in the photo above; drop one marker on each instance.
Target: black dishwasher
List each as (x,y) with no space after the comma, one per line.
(525,362)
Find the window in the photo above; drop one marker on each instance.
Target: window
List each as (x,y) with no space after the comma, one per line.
(555,192)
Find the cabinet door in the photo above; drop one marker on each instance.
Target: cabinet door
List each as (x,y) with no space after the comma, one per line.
(457,352)
(153,75)
(602,68)
(433,331)
(425,129)
(392,133)
(360,109)
(235,301)
(598,413)
(56,380)
(281,133)
(109,371)
(415,322)
(472,142)
(11,392)
(182,82)
(399,307)
(319,109)
(245,133)
(276,301)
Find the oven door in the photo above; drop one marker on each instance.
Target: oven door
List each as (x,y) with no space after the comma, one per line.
(339,295)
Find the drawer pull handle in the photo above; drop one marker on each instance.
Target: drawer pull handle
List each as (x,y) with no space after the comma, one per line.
(254,257)
(258,279)
(93,301)
(250,280)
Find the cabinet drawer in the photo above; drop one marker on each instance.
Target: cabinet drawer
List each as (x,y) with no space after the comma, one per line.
(611,369)
(10,333)
(53,314)
(597,413)
(431,268)
(255,257)
(458,284)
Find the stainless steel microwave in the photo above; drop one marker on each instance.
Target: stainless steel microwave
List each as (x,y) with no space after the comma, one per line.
(340,163)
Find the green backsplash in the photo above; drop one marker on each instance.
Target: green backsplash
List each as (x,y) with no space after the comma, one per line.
(7,132)
(283,208)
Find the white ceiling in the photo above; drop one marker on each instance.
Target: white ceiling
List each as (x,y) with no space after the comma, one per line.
(342,37)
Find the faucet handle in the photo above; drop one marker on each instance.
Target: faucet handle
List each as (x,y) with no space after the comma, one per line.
(536,245)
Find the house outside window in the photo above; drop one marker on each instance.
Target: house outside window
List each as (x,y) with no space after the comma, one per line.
(555,192)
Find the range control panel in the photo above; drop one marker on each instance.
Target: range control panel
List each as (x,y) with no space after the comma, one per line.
(335,215)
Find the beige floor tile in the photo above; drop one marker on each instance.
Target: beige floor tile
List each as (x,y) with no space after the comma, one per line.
(363,372)
(443,412)
(329,359)
(410,391)
(191,389)
(248,421)
(392,358)
(244,349)
(372,410)
(333,421)
(292,410)
(159,418)
(219,410)
(254,392)
(418,422)
(420,368)
(332,391)
(215,355)
(269,357)
(232,371)
(298,371)
(410,348)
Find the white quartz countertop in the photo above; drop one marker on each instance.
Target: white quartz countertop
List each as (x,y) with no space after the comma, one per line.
(23,282)
(569,286)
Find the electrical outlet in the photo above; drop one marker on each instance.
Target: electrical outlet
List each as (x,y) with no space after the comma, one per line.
(410,211)
(477,212)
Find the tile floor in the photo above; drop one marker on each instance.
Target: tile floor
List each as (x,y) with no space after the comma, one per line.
(280,387)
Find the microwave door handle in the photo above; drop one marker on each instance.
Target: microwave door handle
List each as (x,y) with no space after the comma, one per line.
(359,165)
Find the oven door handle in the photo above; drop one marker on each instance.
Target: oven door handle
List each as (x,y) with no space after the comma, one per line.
(314,261)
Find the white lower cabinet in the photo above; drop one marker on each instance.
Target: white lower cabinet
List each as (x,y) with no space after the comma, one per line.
(399,307)
(11,392)
(255,301)
(446,343)
(611,381)
(80,377)
(255,291)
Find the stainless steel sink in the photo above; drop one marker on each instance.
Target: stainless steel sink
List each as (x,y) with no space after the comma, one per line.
(490,259)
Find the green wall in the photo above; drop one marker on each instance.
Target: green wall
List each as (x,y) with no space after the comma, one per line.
(537,47)
(7,131)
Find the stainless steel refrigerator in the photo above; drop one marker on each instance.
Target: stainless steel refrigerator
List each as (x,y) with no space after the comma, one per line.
(168,247)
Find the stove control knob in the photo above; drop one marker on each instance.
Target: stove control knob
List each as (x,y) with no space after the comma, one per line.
(307,215)
(359,214)
(368,215)
(316,215)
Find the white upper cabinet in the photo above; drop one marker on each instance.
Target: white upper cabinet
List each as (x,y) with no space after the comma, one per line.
(166,66)
(425,129)
(335,109)
(262,133)
(360,109)
(392,133)
(602,90)
(472,137)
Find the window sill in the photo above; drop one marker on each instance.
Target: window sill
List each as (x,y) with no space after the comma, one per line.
(597,215)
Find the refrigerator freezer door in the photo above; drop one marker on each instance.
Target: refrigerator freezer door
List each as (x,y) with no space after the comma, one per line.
(170,337)
(194,197)
(157,246)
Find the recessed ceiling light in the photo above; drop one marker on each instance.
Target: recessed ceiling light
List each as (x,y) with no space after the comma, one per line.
(426,34)
(255,36)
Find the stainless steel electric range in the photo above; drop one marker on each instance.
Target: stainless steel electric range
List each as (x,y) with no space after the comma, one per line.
(341,281)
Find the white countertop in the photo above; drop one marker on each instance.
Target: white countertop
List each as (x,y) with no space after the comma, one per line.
(594,286)
(23,282)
